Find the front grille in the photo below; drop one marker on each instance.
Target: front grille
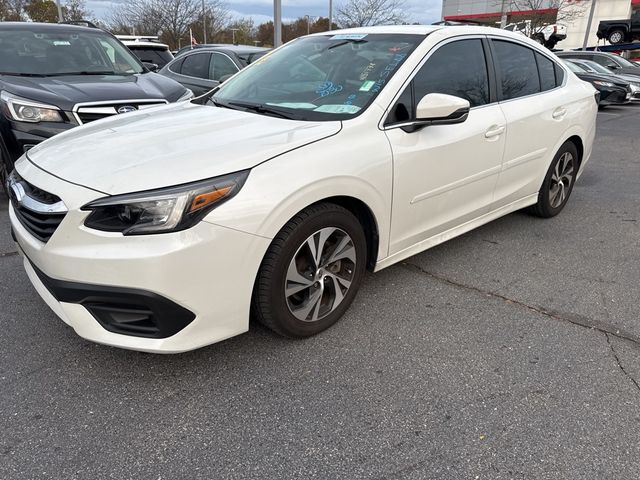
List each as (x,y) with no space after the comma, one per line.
(39,212)
(91,113)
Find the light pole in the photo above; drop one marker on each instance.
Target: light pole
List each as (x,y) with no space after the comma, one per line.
(60,19)
(204,23)
(586,33)
(233,32)
(308,27)
(330,14)
(277,23)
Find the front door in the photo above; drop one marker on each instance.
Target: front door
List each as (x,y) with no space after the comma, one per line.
(445,175)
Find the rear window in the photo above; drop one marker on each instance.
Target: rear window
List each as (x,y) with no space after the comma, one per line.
(159,56)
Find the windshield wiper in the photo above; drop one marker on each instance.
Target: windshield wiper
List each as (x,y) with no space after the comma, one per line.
(16,74)
(86,72)
(258,108)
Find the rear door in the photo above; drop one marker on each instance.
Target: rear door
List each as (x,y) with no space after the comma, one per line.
(533,105)
(221,67)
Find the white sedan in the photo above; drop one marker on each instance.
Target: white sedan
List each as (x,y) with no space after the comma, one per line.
(165,230)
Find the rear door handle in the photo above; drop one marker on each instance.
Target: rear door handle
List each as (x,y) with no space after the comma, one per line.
(559,112)
(494,131)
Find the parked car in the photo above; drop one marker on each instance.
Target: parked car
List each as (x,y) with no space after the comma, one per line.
(338,152)
(611,91)
(205,68)
(613,62)
(620,31)
(547,35)
(593,67)
(148,49)
(54,77)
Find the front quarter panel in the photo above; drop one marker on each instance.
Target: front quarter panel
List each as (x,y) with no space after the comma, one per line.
(356,162)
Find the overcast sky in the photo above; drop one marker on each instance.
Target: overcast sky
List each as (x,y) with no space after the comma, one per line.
(423,11)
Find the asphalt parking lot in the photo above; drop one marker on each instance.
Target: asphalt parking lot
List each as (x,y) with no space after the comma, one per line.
(511,352)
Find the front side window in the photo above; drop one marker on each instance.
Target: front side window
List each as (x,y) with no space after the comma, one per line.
(196,65)
(326,77)
(458,68)
(64,52)
(517,71)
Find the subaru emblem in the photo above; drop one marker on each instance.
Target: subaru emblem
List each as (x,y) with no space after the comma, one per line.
(127,109)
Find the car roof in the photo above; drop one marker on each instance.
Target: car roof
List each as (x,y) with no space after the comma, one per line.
(46,27)
(135,43)
(238,50)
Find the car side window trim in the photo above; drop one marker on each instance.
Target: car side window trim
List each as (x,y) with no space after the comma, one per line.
(383,125)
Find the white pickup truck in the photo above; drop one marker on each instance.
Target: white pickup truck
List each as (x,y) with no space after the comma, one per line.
(547,35)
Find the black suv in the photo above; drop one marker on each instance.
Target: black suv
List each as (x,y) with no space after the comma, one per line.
(54,77)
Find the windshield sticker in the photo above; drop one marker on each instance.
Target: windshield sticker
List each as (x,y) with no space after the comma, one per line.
(397,58)
(365,73)
(328,88)
(293,105)
(397,48)
(61,42)
(349,36)
(350,99)
(337,109)
(368,85)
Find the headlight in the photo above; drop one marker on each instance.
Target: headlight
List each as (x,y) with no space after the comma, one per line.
(603,84)
(635,87)
(24,110)
(188,95)
(163,210)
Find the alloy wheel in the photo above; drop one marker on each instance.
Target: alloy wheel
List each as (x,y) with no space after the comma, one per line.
(320,274)
(561,180)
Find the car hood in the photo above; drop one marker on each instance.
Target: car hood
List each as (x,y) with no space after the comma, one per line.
(66,91)
(170,145)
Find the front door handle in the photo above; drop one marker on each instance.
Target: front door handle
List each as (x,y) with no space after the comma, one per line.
(494,131)
(559,112)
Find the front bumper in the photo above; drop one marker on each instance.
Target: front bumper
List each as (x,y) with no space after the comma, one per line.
(194,285)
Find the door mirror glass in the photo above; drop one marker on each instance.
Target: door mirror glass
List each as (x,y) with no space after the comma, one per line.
(442,109)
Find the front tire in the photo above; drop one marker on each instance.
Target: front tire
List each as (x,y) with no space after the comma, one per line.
(558,183)
(616,37)
(311,272)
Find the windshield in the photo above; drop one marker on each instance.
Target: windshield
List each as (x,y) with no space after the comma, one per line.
(329,77)
(596,67)
(60,52)
(622,61)
(573,67)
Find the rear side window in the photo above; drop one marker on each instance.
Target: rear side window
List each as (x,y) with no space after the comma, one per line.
(559,74)
(458,68)
(547,72)
(517,69)
(221,66)
(196,65)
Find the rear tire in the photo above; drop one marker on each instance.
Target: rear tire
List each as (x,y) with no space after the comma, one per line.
(616,36)
(558,183)
(311,272)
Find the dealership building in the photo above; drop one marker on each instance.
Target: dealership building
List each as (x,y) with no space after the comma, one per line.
(488,12)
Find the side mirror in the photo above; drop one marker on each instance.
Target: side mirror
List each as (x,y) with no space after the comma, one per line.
(152,67)
(441,109)
(613,66)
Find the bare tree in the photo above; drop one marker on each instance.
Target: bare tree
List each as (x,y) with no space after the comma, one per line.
(362,13)
(170,19)
(12,10)
(75,10)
